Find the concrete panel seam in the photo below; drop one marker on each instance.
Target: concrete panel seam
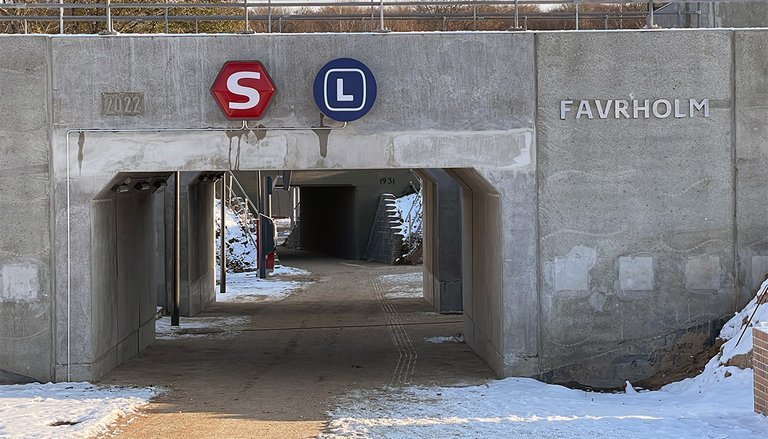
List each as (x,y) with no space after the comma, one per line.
(536,203)
(52,207)
(734,179)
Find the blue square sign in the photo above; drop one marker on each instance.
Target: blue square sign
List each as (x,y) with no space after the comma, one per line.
(344,89)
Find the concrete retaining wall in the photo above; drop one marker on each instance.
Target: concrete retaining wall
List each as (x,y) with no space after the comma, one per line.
(26,260)
(594,249)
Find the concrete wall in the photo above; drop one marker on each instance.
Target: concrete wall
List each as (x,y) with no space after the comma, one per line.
(124,263)
(636,215)
(329,222)
(595,250)
(493,128)
(740,14)
(751,160)
(442,215)
(26,277)
(197,245)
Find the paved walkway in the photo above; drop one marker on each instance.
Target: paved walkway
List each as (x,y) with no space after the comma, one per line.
(350,330)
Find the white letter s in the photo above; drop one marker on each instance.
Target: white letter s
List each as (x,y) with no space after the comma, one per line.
(251,93)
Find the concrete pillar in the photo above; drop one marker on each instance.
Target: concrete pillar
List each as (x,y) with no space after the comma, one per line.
(197,244)
(442,240)
(499,268)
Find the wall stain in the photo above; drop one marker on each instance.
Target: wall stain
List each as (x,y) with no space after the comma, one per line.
(260,132)
(80,155)
(235,134)
(322,133)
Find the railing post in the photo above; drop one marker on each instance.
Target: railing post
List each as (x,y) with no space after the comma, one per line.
(517,15)
(577,13)
(474,14)
(245,17)
(606,21)
(269,16)
(165,16)
(109,17)
(650,14)
(381,15)
(61,16)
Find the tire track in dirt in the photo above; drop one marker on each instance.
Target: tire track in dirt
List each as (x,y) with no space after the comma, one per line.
(407,356)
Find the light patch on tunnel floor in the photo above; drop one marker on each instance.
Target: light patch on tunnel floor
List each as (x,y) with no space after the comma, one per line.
(201,327)
(403,286)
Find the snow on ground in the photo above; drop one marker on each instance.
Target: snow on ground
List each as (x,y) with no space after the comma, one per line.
(445,339)
(65,410)
(201,327)
(247,287)
(715,404)
(733,329)
(402,286)
(282,270)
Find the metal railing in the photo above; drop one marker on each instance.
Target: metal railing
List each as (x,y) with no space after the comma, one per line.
(245,211)
(368,15)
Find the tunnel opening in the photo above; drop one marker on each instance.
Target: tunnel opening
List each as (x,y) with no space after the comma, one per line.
(425,322)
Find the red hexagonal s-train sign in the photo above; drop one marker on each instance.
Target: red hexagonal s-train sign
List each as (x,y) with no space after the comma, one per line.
(243,89)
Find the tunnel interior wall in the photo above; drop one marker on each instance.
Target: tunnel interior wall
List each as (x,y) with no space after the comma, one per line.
(442,230)
(197,245)
(329,219)
(125,267)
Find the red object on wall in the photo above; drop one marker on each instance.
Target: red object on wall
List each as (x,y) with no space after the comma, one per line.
(271,260)
(243,89)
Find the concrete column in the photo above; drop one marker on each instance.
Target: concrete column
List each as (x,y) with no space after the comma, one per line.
(442,240)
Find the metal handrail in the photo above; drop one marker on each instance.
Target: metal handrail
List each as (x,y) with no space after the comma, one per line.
(299,11)
(245,194)
(249,205)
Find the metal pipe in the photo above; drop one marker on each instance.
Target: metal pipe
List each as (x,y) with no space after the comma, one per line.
(165,17)
(263,221)
(474,15)
(223,239)
(176,250)
(269,16)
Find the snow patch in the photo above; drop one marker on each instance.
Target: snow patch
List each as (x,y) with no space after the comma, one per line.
(247,287)
(66,410)
(717,403)
(445,339)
